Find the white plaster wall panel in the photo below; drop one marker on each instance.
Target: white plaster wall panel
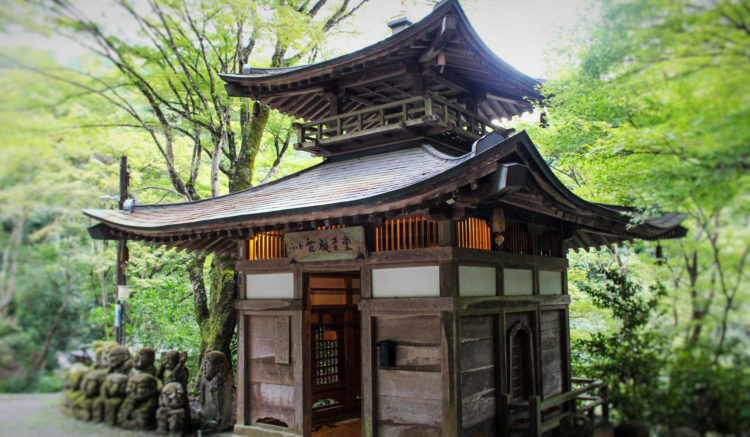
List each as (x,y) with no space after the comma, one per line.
(406,282)
(518,282)
(477,281)
(270,286)
(550,282)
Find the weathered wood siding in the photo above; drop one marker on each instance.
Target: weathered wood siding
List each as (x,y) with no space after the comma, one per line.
(408,397)
(478,364)
(552,349)
(271,385)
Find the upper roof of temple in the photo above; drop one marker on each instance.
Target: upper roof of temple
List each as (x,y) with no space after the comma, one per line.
(440,54)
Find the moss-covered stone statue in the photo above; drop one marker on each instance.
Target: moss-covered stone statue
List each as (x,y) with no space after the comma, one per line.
(138,411)
(172,368)
(72,386)
(144,362)
(215,392)
(102,348)
(173,415)
(118,360)
(83,405)
(111,396)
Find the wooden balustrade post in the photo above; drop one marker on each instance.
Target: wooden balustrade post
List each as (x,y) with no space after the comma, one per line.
(428,105)
(535,416)
(605,404)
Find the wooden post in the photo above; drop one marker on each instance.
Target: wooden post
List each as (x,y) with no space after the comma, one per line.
(447,233)
(121,250)
(535,416)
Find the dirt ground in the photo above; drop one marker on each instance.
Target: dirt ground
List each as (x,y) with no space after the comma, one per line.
(37,415)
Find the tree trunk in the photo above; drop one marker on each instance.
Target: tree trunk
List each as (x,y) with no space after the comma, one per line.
(214,308)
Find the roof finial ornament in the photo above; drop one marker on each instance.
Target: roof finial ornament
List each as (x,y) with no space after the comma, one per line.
(400,21)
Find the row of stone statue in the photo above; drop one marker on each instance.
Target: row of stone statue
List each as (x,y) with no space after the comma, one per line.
(135,394)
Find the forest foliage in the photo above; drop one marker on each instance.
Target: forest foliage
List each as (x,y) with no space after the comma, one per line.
(647,105)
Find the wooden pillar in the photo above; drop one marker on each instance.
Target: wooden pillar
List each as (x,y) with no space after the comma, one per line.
(451,373)
(447,235)
(242,385)
(122,250)
(368,375)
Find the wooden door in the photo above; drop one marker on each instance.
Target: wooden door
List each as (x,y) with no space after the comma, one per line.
(334,346)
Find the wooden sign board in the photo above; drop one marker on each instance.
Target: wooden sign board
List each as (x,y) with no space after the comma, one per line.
(326,245)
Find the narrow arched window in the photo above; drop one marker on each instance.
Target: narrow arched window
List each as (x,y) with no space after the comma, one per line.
(521,362)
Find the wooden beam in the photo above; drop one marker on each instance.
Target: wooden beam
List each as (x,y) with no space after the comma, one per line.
(385,72)
(446,32)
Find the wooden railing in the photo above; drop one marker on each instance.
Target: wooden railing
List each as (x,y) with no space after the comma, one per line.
(425,109)
(588,397)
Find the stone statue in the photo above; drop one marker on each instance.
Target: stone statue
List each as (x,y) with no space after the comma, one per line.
(138,411)
(119,360)
(172,368)
(110,398)
(72,386)
(215,392)
(173,415)
(144,362)
(102,348)
(83,405)
(576,425)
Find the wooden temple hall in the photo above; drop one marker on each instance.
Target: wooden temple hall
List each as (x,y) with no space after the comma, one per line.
(414,282)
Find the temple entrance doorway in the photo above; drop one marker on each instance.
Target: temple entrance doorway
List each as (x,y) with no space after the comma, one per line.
(334,349)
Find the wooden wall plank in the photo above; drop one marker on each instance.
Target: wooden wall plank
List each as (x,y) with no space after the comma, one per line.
(403,410)
(409,384)
(411,329)
(267,371)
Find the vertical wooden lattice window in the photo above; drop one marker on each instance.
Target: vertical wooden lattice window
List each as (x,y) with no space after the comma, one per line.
(521,358)
(268,245)
(474,233)
(516,239)
(328,338)
(549,244)
(406,233)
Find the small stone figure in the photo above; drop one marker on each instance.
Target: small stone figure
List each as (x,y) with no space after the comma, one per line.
(576,425)
(144,362)
(215,392)
(172,368)
(102,348)
(72,386)
(119,360)
(90,385)
(111,396)
(173,415)
(138,411)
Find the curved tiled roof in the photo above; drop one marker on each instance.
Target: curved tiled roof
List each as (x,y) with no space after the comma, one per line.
(393,183)
(329,184)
